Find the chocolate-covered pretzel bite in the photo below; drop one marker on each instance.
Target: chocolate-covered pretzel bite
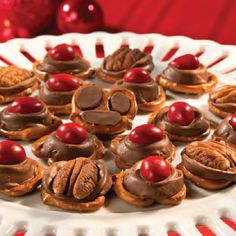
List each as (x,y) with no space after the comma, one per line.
(210,165)
(142,141)
(27,118)
(63,58)
(19,175)
(116,65)
(185,74)
(226,131)
(58,91)
(149,95)
(152,180)
(76,185)
(182,122)
(68,142)
(105,112)
(222,101)
(16,82)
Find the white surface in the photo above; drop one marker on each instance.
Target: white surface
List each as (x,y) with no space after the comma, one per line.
(118,218)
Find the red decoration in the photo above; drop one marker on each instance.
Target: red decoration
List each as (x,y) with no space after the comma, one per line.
(71,133)
(63,52)
(25,105)
(81,16)
(181,113)
(186,62)
(63,82)
(232,120)
(137,75)
(146,134)
(155,168)
(11,153)
(34,15)
(8,31)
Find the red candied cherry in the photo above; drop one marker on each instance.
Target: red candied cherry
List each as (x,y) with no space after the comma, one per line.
(71,133)
(137,75)
(155,168)
(186,62)
(181,113)
(11,153)
(24,105)
(232,120)
(146,134)
(62,52)
(63,82)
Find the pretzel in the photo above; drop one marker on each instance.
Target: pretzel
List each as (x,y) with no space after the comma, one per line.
(72,206)
(123,165)
(31,133)
(123,124)
(98,152)
(45,76)
(27,186)
(198,89)
(139,202)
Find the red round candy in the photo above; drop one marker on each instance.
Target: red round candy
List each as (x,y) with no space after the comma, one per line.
(137,75)
(181,113)
(71,133)
(63,82)
(25,105)
(186,62)
(11,153)
(155,168)
(232,120)
(62,52)
(146,134)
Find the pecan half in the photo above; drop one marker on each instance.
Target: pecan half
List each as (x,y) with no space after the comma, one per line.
(224,94)
(12,75)
(125,58)
(76,178)
(212,154)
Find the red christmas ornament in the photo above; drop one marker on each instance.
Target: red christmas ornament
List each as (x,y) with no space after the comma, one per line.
(32,16)
(81,16)
(8,31)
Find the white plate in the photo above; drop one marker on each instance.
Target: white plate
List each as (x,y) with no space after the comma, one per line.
(118,218)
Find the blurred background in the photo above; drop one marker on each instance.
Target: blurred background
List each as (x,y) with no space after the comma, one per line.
(199,19)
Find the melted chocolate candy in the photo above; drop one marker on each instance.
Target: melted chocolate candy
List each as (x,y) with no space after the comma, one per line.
(90,97)
(120,103)
(101,117)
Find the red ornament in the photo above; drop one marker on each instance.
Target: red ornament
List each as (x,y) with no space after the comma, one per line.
(155,168)
(232,120)
(11,153)
(81,16)
(8,31)
(186,62)
(137,75)
(71,133)
(146,134)
(63,82)
(34,15)
(25,105)
(62,52)
(181,113)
